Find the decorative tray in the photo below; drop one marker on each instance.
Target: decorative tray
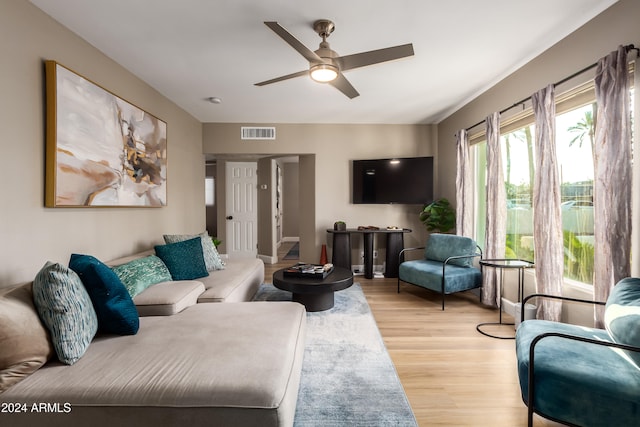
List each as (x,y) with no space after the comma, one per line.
(312,271)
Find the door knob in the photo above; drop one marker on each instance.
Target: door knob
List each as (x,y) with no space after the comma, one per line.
(230,217)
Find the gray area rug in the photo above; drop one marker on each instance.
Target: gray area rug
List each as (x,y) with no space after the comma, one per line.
(348,378)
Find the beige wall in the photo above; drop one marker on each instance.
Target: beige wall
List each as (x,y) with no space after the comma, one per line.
(290,204)
(31,234)
(325,175)
(266,208)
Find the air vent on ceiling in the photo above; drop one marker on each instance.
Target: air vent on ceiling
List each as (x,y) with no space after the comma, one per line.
(247,132)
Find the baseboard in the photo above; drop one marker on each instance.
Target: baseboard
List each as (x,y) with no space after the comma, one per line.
(513,309)
(508,307)
(358,270)
(290,239)
(268,259)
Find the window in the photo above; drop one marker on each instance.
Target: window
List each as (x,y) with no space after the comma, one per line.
(209,191)
(518,161)
(574,142)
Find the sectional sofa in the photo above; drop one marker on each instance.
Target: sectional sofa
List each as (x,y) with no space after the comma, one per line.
(199,352)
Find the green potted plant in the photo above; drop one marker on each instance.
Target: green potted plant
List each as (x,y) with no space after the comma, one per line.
(216,242)
(438,215)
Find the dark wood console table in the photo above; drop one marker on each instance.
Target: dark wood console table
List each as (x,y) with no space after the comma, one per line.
(342,248)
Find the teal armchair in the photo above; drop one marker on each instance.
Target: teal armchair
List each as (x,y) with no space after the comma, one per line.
(582,376)
(447,266)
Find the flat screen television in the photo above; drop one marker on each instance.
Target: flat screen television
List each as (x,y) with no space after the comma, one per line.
(399,180)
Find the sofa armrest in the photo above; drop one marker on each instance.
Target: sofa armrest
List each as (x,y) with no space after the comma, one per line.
(476,255)
(451,258)
(537,339)
(527,298)
(401,254)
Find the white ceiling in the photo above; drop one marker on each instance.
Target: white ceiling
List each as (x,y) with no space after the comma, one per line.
(190,50)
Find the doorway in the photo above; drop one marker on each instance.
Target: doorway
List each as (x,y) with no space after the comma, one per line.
(290,200)
(294,206)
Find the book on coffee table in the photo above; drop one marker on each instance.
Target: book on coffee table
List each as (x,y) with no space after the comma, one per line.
(314,271)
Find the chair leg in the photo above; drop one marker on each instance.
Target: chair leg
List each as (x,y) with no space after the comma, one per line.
(398,284)
(443,301)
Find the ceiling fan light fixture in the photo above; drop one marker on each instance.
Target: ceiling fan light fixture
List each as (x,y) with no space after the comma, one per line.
(325,65)
(323,73)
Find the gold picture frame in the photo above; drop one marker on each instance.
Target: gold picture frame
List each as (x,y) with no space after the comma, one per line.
(101,151)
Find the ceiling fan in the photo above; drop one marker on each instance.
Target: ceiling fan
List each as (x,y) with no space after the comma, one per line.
(325,66)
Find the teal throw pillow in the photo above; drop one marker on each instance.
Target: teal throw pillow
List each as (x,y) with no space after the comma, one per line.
(66,310)
(183,259)
(622,314)
(117,314)
(211,257)
(442,246)
(139,274)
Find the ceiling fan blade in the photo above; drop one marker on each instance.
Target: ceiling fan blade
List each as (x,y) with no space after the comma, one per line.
(287,77)
(309,55)
(342,84)
(349,62)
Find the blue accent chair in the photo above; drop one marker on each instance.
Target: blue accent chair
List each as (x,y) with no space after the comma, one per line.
(582,376)
(447,266)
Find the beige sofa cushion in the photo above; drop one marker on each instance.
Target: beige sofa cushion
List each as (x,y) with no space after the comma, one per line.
(212,364)
(25,344)
(129,258)
(162,299)
(168,298)
(239,281)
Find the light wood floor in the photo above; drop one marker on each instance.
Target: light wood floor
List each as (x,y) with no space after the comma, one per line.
(452,374)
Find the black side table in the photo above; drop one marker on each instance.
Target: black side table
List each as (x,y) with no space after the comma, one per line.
(502,264)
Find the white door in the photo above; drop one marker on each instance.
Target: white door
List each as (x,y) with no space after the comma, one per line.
(278,204)
(242,212)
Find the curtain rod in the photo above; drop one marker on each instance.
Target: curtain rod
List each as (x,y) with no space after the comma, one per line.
(628,48)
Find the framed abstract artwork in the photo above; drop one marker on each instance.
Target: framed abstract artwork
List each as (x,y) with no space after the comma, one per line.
(100,149)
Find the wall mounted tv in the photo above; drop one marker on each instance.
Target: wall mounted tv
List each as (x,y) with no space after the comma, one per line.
(398,180)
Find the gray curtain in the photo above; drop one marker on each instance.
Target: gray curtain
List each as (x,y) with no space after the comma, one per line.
(464,187)
(635,193)
(612,180)
(495,230)
(547,217)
